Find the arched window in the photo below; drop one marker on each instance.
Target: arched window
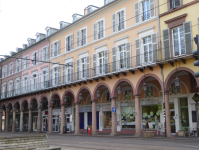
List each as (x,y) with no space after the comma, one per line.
(174,89)
(127,94)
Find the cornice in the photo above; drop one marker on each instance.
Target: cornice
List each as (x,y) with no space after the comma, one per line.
(175,18)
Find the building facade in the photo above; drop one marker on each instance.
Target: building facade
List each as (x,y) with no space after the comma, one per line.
(135,60)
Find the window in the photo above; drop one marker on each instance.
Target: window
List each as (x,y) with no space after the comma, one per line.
(3,95)
(68,72)
(25,62)
(83,67)
(107,1)
(174,4)
(17,87)
(44,54)
(55,49)
(107,97)
(123,56)
(35,58)
(178,41)
(69,42)
(118,20)
(148,53)
(98,30)
(43,79)
(25,87)
(17,65)
(34,82)
(145,10)
(48,32)
(11,69)
(29,43)
(10,89)
(128,94)
(74,18)
(37,39)
(101,63)
(128,117)
(4,72)
(89,10)
(82,37)
(55,76)
(150,91)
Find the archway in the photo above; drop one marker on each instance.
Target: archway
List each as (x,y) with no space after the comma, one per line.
(34,114)
(25,117)
(10,116)
(3,107)
(17,116)
(44,113)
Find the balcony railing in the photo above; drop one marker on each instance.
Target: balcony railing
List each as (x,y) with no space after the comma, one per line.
(122,65)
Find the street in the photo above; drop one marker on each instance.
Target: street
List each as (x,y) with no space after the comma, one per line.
(101,142)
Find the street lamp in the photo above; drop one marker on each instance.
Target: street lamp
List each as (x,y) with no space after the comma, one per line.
(119,90)
(80,96)
(52,101)
(98,93)
(145,86)
(177,82)
(65,99)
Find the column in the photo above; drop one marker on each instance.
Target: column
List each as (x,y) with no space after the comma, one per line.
(94,118)
(6,126)
(21,120)
(39,120)
(13,119)
(63,118)
(50,119)
(77,118)
(30,120)
(167,112)
(1,119)
(137,116)
(114,118)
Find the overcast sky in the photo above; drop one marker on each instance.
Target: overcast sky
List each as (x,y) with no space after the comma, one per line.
(21,19)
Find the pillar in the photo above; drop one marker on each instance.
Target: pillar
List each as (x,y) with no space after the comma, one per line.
(137,116)
(50,119)
(1,119)
(94,118)
(63,118)
(167,112)
(30,120)
(6,126)
(39,120)
(21,121)
(114,119)
(77,118)
(13,120)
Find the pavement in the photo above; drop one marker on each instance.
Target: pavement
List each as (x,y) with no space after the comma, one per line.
(120,142)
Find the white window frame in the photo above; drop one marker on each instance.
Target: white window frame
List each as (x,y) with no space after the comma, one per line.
(48,32)
(44,55)
(54,48)
(25,84)
(37,58)
(142,43)
(80,31)
(38,38)
(70,45)
(27,64)
(10,88)
(119,61)
(3,92)
(98,32)
(17,88)
(141,8)
(117,19)
(5,70)
(11,68)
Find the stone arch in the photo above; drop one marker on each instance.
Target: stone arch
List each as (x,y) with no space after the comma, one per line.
(114,92)
(138,89)
(123,89)
(43,96)
(172,73)
(66,92)
(16,104)
(10,106)
(34,99)
(54,94)
(97,87)
(83,88)
(23,102)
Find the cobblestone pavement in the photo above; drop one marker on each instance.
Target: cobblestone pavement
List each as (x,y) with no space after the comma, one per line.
(122,142)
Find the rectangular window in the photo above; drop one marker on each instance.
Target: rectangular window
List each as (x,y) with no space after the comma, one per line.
(56,49)
(48,32)
(56,76)
(107,119)
(178,41)
(82,37)
(84,67)
(120,20)
(127,95)
(35,58)
(174,4)
(128,117)
(34,82)
(146,10)
(69,42)
(123,56)
(101,63)
(98,30)
(148,52)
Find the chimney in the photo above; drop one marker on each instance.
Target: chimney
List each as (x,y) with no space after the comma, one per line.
(85,11)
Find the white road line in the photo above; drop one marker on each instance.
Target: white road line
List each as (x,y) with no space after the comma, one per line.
(191,146)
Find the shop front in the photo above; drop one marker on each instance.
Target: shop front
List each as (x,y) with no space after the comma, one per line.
(34,121)
(45,121)
(68,121)
(25,121)
(106,119)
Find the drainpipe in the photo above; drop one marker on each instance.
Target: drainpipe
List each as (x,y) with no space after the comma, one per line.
(163,100)
(160,43)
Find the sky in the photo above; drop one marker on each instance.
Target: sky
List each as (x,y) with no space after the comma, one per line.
(22,19)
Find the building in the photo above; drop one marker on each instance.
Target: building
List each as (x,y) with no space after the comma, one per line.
(110,57)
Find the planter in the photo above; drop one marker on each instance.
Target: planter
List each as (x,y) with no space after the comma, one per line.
(148,134)
(180,133)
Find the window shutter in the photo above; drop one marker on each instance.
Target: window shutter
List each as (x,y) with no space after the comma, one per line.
(84,36)
(94,64)
(137,14)
(137,50)
(22,87)
(78,39)
(128,54)
(27,61)
(23,64)
(37,57)
(6,71)
(31,85)
(16,64)
(102,29)
(71,45)
(51,77)
(27,84)
(52,50)
(8,91)
(122,20)
(88,66)
(171,4)
(41,57)
(95,31)
(78,70)
(46,56)
(67,44)
(19,64)
(177,3)
(106,61)
(33,57)
(114,22)
(166,41)
(188,37)
(15,88)
(18,87)
(152,8)
(72,71)
(64,74)
(58,47)
(114,59)
(40,81)
(154,46)
(37,81)
(59,80)
(47,79)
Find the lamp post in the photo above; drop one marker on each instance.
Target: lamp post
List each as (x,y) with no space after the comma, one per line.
(177,82)
(119,90)
(145,85)
(80,96)
(98,94)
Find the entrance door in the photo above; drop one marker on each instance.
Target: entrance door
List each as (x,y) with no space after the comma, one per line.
(45,124)
(184,113)
(172,118)
(35,123)
(55,125)
(68,124)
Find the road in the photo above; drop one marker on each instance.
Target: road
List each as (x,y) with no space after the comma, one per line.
(102,142)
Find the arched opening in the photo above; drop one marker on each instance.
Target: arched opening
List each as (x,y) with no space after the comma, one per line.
(25,109)
(56,114)
(34,106)
(10,116)
(3,117)
(17,116)
(44,108)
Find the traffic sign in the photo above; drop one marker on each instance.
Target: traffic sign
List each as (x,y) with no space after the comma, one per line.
(114,109)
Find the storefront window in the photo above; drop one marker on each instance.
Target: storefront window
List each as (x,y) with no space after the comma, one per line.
(151,117)
(56,123)
(107,119)
(25,122)
(108,97)
(128,117)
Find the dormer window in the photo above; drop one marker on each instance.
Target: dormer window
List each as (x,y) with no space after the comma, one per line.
(48,32)
(107,1)
(74,18)
(38,37)
(29,43)
(89,10)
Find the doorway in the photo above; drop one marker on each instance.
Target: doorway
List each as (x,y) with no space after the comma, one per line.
(45,124)
(34,123)
(56,124)
(68,123)
(184,113)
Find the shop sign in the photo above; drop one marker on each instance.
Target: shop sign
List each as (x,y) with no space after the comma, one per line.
(67,110)
(44,113)
(159,107)
(56,112)
(196,97)
(106,108)
(87,109)
(114,109)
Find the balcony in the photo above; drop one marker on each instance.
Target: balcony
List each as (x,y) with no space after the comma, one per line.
(129,64)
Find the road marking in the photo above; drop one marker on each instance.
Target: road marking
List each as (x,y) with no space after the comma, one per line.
(191,146)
